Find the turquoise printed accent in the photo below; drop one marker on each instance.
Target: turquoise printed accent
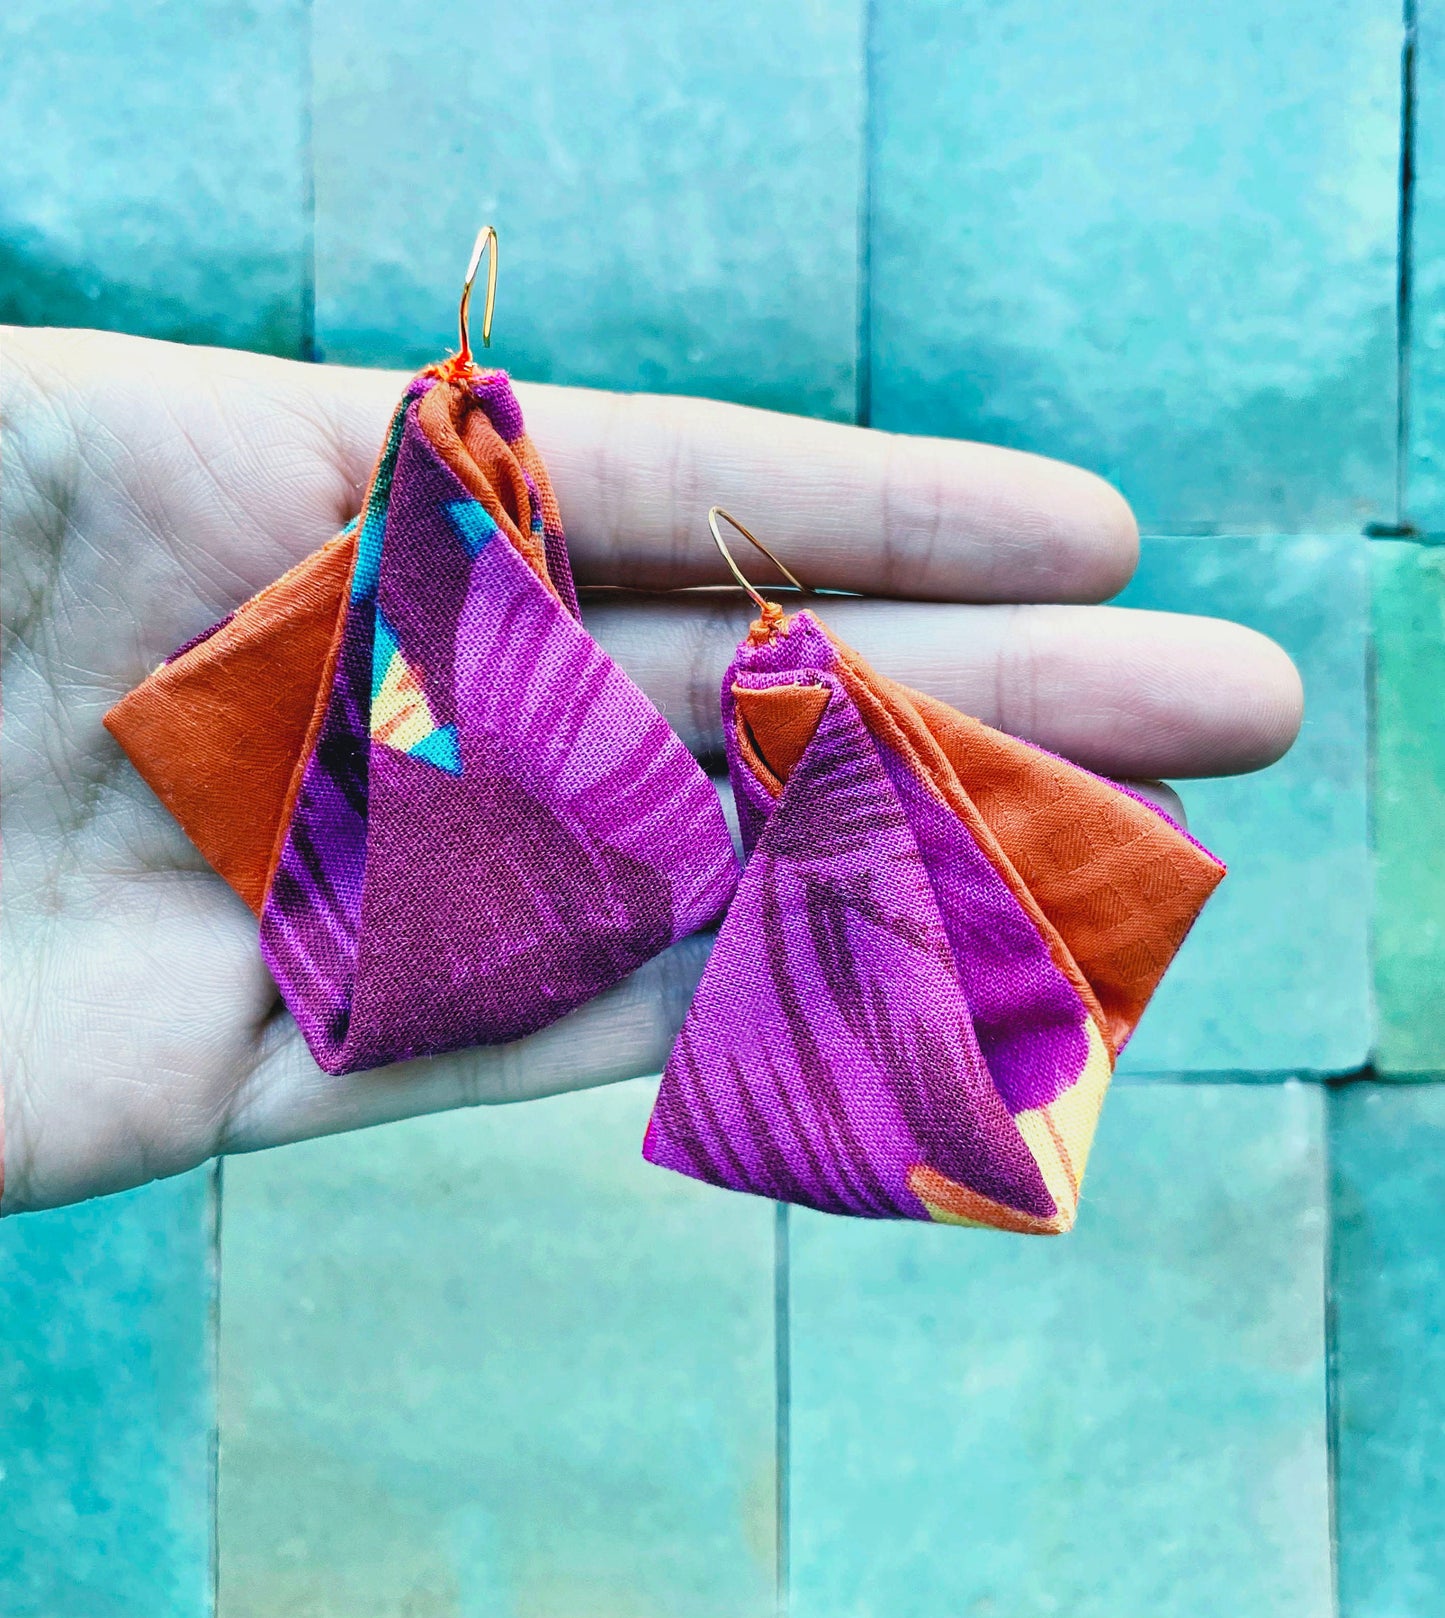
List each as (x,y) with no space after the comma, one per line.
(472,523)
(384,647)
(366,574)
(441,749)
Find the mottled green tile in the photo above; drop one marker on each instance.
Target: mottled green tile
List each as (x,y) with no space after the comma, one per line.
(676,189)
(1387,1160)
(1425,493)
(1409,806)
(1275,976)
(153,168)
(492,1363)
(1126,1422)
(107,1405)
(1158,240)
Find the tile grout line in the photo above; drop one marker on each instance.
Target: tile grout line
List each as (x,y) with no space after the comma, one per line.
(1332,1412)
(783,1394)
(309,349)
(863,381)
(1405,251)
(217,1188)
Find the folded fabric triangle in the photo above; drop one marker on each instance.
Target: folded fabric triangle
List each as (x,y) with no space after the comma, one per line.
(455,816)
(941,939)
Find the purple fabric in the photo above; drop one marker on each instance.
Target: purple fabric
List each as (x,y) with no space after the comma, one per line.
(1031,1024)
(196,640)
(481,884)
(1028,1017)
(830,1048)
(494,391)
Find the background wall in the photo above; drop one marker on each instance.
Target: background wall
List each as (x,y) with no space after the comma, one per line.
(490,1363)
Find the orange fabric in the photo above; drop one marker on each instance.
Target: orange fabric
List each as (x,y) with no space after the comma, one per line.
(949,1203)
(1111,884)
(532,463)
(888,711)
(775,725)
(486,466)
(221,733)
(217,732)
(1119,882)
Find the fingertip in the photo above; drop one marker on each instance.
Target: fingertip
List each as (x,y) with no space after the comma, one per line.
(1060,533)
(1254,694)
(1163,797)
(1114,550)
(1092,547)
(1280,701)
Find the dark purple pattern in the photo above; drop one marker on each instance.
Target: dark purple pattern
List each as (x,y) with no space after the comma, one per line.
(204,635)
(415,910)
(830,1047)
(1030,1021)
(493,391)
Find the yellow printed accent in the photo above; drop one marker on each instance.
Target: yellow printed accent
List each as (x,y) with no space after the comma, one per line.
(949,1203)
(400,714)
(944,1216)
(1060,1134)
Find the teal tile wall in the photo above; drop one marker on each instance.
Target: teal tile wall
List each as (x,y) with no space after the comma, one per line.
(1256,988)
(1154,239)
(676,189)
(107,1405)
(153,169)
(489,1363)
(493,1363)
(1131,1421)
(1425,451)
(1387,1161)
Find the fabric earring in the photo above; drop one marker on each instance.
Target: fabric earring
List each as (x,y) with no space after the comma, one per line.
(941,940)
(456,818)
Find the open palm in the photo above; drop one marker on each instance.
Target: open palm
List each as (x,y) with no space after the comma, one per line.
(148,489)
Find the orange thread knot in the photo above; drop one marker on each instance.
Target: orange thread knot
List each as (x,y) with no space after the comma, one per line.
(768,625)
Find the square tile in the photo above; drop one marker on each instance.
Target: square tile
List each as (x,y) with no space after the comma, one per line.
(1158,241)
(492,1362)
(1275,976)
(1124,1422)
(1408,806)
(107,1405)
(153,169)
(1387,1170)
(676,190)
(1425,501)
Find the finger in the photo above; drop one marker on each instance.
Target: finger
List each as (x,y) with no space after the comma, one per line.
(1162,796)
(241,439)
(845,507)
(1125,692)
(624,1033)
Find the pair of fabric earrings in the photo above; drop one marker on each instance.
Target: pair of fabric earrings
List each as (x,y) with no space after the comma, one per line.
(457,820)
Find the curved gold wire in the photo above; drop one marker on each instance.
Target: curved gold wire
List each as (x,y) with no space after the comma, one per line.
(714,512)
(486,237)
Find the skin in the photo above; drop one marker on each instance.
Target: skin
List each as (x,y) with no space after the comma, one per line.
(148,488)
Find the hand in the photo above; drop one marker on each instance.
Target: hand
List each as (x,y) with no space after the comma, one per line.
(150,488)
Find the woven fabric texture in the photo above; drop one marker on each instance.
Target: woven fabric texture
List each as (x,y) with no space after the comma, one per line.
(941,940)
(455,816)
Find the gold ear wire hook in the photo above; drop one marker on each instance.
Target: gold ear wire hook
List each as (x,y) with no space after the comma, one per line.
(486,237)
(714,512)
